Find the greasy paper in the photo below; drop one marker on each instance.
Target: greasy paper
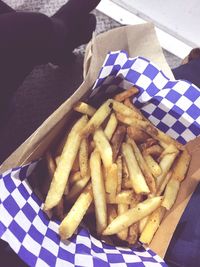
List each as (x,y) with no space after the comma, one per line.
(138,40)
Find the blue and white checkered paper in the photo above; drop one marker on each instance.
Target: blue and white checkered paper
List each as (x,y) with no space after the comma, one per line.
(171,105)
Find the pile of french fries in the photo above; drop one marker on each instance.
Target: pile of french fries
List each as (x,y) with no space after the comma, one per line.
(116,164)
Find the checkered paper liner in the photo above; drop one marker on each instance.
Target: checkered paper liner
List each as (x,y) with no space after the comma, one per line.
(171,105)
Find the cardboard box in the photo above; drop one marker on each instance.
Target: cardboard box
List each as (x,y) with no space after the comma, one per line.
(136,40)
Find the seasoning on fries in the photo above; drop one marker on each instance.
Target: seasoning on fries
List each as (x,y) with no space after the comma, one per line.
(119,167)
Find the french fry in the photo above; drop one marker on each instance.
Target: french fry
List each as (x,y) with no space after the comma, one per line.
(143,166)
(117,139)
(111,180)
(125,94)
(138,181)
(123,197)
(112,213)
(125,173)
(152,225)
(98,191)
(76,213)
(133,233)
(138,114)
(103,147)
(154,150)
(120,210)
(77,187)
(142,223)
(170,149)
(111,126)
(164,183)
(137,134)
(76,166)
(119,173)
(165,165)
(84,158)
(178,175)
(122,109)
(153,165)
(126,183)
(132,121)
(66,161)
(74,177)
(133,215)
(84,108)
(97,119)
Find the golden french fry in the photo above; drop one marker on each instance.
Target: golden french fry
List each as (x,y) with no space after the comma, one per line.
(84,158)
(123,197)
(170,149)
(77,187)
(112,213)
(64,167)
(103,147)
(170,193)
(138,114)
(111,180)
(165,165)
(122,109)
(160,136)
(110,126)
(142,223)
(132,121)
(138,135)
(152,225)
(97,119)
(143,166)
(181,166)
(133,215)
(138,181)
(76,214)
(98,191)
(74,177)
(117,139)
(84,108)
(120,210)
(125,94)
(164,183)
(119,173)
(154,150)
(153,165)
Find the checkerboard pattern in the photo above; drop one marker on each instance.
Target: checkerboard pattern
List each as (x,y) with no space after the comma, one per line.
(34,237)
(172,106)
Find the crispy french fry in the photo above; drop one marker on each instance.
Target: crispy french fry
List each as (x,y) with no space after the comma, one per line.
(138,181)
(111,126)
(165,165)
(153,165)
(152,225)
(170,193)
(98,191)
(99,116)
(154,150)
(123,197)
(143,166)
(138,114)
(119,173)
(160,136)
(122,109)
(117,139)
(164,183)
(76,214)
(125,94)
(133,215)
(112,213)
(132,121)
(170,149)
(120,210)
(84,108)
(77,187)
(103,147)
(137,134)
(84,158)
(74,177)
(64,167)
(111,180)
